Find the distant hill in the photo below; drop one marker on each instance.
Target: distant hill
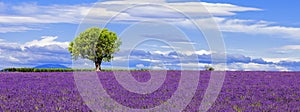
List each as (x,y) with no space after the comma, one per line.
(51,66)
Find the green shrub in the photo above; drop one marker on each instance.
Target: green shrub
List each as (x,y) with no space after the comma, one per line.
(55,70)
(209,68)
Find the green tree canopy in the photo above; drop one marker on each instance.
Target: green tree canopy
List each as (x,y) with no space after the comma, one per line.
(209,68)
(96,45)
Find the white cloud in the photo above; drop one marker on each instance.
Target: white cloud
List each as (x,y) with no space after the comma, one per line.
(32,13)
(189,7)
(158,67)
(151,60)
(36,14)
(197,52)
(152,12)
(216,9)
(235,66)
(192,66)
(9,45)
(120,58)
(235,62)
(252,27)
(12,55)
(160,52)
(7,29)
(35,53)
(290,47)
(189,43)
(255,67)
(46,41)
(277,60)
(13,59)
(26,8)
(139,66)
(257,27)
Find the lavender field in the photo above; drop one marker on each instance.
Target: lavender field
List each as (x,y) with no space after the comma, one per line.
(241,91)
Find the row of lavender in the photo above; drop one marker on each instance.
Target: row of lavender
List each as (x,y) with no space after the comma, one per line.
(242,91)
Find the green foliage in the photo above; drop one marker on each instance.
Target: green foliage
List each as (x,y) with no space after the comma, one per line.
(95,44)
(18,69)
(209,68)
(64,70)
(43,70)
(144,69)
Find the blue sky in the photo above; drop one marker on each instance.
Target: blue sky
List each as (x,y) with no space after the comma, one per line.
(258,35)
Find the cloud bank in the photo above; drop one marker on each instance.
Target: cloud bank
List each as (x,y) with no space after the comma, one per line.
(47,50)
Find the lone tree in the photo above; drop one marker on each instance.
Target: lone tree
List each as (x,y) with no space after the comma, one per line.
(208,68)
(96,45)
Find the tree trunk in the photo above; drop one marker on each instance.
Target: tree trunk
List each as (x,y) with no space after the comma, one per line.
(98,64)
